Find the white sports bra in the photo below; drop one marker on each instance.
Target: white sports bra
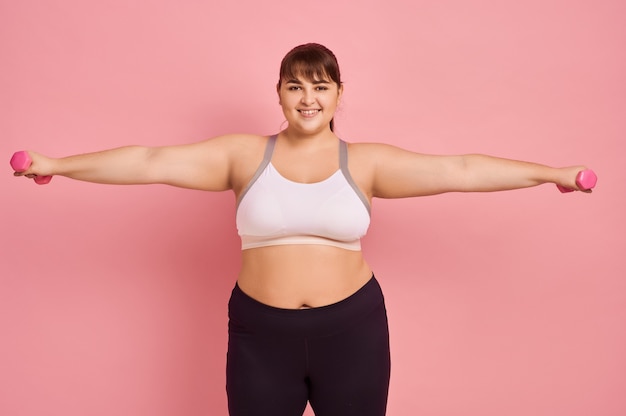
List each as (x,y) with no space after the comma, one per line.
(272,210)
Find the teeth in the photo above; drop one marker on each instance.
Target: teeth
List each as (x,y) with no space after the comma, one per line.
(309,112)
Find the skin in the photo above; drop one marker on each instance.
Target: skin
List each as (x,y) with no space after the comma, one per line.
(301,276)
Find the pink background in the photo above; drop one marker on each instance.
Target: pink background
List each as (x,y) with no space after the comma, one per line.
(113,299)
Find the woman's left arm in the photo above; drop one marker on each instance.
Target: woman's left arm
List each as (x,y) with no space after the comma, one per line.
(398,173)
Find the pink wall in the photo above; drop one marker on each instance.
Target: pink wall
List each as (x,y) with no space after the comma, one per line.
(113,299)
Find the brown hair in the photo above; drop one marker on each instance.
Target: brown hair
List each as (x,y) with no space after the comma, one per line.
(313,62)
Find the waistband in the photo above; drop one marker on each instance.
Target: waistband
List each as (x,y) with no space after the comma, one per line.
(257,317)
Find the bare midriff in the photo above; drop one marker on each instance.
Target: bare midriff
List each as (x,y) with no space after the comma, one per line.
(302,276)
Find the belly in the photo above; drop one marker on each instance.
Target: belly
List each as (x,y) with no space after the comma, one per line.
(302,276)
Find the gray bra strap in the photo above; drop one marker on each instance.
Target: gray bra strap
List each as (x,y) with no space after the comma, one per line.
(267,157)
(343,165)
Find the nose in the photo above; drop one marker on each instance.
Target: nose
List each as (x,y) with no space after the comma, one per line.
(308,97)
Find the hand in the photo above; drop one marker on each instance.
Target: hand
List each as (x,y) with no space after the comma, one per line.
(577,178)
(32,165)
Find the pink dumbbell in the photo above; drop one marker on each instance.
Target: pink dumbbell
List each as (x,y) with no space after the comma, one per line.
(586,179)
(21,161)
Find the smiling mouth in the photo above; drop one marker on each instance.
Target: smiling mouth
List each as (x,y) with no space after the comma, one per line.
(308,113)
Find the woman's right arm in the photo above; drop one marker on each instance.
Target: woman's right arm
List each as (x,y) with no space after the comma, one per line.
(204,165)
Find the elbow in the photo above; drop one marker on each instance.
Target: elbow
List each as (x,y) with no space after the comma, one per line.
(145,161)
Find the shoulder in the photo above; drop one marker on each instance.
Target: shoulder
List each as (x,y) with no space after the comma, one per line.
(232,147)
(365,152)
(246,147)
(371,147)
(364,159)
(244,153)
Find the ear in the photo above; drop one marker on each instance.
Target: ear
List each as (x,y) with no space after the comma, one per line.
(339,93)
(278,92)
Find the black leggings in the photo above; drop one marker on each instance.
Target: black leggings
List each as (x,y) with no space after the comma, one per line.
(336,357)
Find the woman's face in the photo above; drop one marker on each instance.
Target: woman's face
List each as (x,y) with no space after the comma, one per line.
(309,105)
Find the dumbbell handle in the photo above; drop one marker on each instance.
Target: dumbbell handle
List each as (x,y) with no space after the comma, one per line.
(21,161)
(586,179)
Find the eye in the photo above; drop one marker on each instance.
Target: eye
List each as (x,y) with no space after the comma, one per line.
(294,88)
(321,88)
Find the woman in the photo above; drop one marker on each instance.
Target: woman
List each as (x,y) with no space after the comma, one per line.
(307,316)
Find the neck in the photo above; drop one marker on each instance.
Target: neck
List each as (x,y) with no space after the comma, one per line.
(298,138)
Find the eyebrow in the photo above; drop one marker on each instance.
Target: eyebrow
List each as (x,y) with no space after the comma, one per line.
(315,82)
